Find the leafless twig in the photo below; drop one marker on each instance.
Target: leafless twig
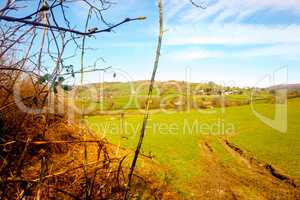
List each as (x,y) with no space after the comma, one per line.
(148,101)
(199,5)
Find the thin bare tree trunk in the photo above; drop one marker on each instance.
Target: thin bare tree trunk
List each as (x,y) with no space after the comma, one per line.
(85,153)
(148,101)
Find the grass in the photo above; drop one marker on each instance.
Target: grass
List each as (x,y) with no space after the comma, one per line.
(165,140)
(124,96)
(172,138)
(279,149)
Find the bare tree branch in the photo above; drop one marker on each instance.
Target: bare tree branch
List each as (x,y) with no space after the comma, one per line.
(202,5)
(58,28)
(148,101)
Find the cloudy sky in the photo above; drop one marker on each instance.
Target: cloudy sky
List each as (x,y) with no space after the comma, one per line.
(232,42)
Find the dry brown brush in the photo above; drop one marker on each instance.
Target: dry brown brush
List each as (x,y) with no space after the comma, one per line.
(41,154)
(46,152)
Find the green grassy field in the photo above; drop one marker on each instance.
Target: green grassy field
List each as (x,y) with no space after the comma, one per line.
(280,149)
(173,138)
(127,96)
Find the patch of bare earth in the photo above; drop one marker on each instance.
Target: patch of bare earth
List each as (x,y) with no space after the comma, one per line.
(238,180)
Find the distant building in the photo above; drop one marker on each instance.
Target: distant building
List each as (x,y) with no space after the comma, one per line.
(232,92)
(201,92)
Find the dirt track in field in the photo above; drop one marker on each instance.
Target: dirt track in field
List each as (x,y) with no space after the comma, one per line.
(242,179)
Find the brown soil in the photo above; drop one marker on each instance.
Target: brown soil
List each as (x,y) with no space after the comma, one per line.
(241,180)
(254,163)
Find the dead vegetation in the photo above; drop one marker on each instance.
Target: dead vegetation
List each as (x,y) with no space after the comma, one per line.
(43,155)
(46,152)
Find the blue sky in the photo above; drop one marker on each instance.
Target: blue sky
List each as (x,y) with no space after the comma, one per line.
(232,42)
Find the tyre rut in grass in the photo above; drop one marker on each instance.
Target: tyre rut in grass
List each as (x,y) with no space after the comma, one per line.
(222,180)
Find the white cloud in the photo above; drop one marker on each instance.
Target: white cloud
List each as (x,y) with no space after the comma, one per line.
(291,51)
(192,54)
(232,34)
(173,7)
(221,10)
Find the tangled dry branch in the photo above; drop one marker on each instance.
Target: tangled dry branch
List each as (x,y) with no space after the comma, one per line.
(41,149)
